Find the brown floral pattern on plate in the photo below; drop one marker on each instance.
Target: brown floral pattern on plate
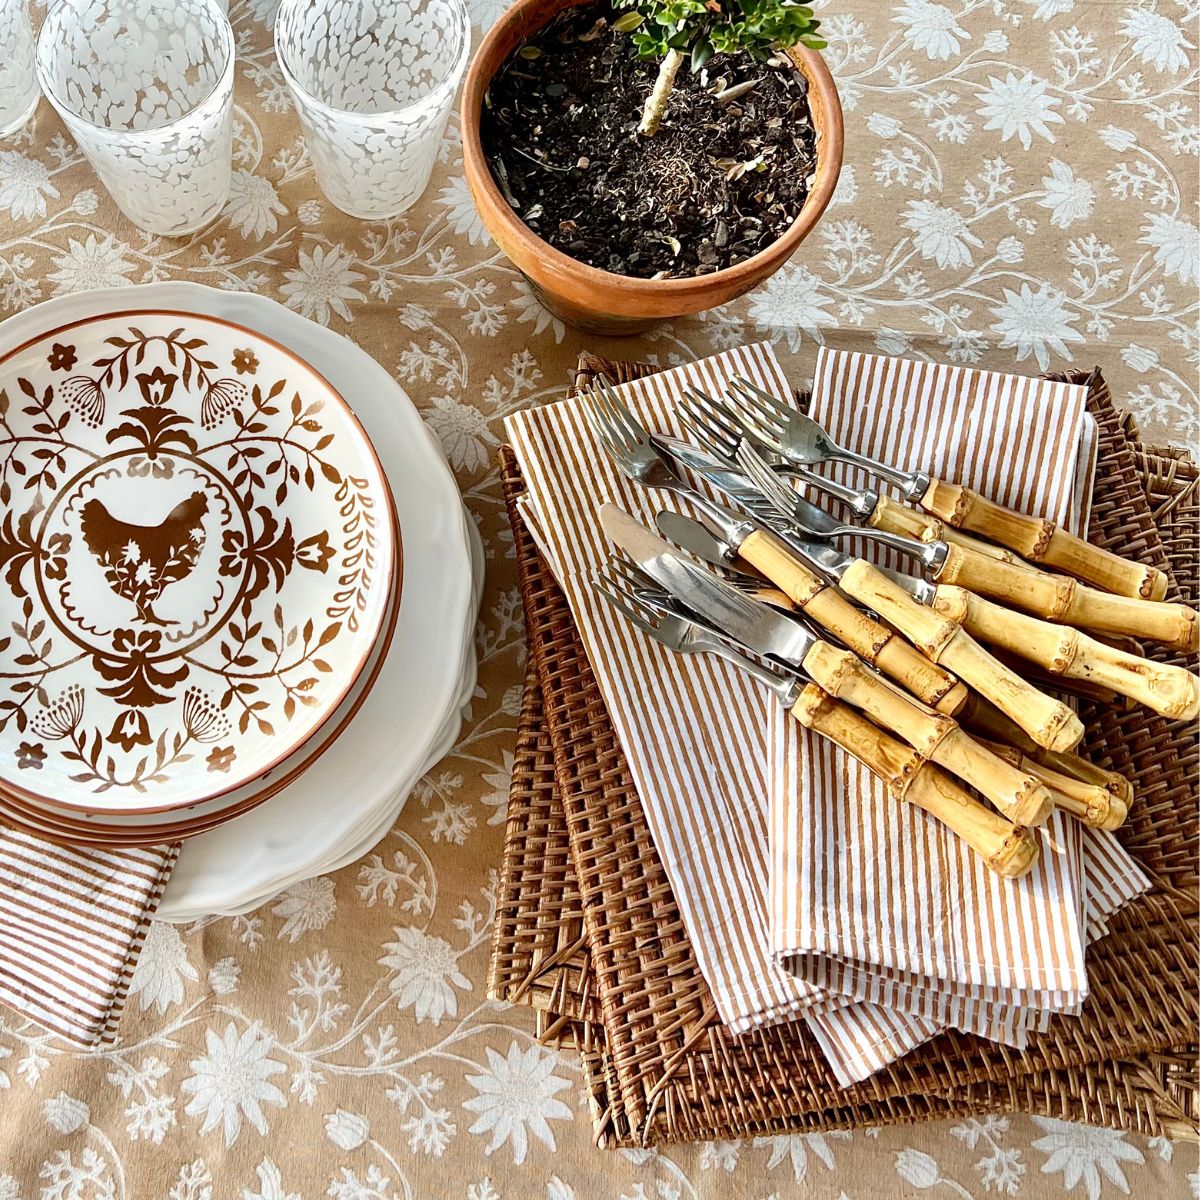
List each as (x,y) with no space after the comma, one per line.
(195,550)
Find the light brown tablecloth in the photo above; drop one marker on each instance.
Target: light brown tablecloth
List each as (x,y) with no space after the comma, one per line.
(1020,189)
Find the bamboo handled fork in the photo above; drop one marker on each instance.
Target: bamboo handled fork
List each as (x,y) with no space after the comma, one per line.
(1059,649)
(801,440)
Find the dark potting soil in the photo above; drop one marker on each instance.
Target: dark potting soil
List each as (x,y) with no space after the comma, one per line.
(720,181)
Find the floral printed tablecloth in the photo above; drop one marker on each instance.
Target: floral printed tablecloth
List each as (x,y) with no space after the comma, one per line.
(1020,189)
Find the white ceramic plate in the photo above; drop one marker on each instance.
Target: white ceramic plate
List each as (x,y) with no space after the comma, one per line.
(388,745)
(198,546)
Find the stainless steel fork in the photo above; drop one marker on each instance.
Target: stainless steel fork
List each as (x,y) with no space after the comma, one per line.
(817,523)
(634,450)
(801,441)
(720,431)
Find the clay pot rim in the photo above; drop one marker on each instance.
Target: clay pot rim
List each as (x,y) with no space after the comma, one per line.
(831,135)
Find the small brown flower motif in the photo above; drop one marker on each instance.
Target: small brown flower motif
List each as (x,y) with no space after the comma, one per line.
(30,756)
(315,552)
(160,468)
(61,358)
(156,386)
(130,729)
(220,758)
(233,553)
(54,555)
(245,362)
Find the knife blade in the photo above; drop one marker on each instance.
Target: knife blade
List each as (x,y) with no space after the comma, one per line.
(754,625)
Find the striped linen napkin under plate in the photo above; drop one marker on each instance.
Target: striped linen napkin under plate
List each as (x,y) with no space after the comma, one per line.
(72,924)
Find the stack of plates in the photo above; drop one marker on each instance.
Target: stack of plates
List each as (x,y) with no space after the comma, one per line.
(229,548)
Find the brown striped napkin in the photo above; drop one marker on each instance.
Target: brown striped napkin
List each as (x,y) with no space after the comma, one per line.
(937,920)
(694,733)
(72,923)
(858,1038)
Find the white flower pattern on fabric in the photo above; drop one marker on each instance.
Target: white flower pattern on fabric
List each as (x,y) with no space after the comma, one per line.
(91,264)
(1068,197)
(791,303)
(1157,40)
(306,906)
(253,207)
(24,186)
(463,431)
(162,968)
(517,1097)
(1035,323)
(1082,1153)
(425,974)
(941,234)
(932,28)
(270,1184)
(1176,246)
(323,282)
(233,1081)
(461,213)
(1019,107)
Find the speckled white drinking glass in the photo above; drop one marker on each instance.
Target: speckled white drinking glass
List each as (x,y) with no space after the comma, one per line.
(146,89)
(373,82)
(19,90)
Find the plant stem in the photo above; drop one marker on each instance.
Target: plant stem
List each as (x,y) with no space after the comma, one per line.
(656,102)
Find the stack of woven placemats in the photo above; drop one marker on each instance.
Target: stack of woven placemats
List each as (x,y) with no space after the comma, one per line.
(588,932)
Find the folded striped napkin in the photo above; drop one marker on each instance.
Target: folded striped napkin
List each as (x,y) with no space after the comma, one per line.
(72,924)
(857,1038)
(695,735)
(936,920)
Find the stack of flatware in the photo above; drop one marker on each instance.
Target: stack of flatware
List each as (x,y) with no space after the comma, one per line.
(781,587)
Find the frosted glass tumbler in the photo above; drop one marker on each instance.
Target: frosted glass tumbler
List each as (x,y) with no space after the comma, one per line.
(19,92)
(146,89)
(373,82)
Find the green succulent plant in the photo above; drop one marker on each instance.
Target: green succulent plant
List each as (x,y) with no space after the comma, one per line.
(675,30)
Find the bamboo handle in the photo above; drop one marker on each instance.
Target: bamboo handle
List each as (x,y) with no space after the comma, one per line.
(1092,804)
(1048,721)
(1076,767)
(1007,849)
(1063,650)
(1040,540)
(1019,796)
(985,720)
(867,638)
(1067,602)
(893,517)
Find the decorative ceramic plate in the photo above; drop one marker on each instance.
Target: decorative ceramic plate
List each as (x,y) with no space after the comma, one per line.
(196,547)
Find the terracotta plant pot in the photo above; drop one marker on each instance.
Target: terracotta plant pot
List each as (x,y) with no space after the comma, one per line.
(601,301)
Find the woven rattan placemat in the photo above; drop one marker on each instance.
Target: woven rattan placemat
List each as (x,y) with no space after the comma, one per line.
(1156,1094)
(678,1074)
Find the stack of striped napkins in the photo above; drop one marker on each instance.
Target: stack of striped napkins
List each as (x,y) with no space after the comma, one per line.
(807,893)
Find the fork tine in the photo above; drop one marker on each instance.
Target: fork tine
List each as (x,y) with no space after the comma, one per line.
(623,571)
(598,419)
(609,427)
(620,410)
(761,399)
(759,423)
(763,478)
(720,424)
(766,415)
(629,606)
